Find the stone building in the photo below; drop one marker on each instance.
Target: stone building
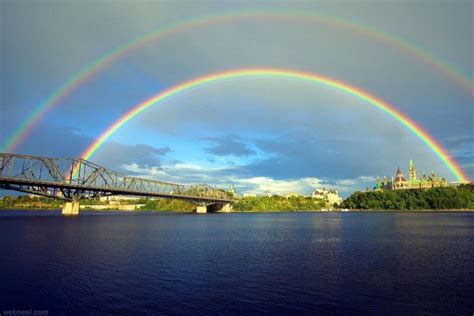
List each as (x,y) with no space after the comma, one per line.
(291,194)
(330,195)
(400,182)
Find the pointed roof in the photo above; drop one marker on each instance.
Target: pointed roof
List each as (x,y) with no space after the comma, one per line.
(399,171)
(399,177)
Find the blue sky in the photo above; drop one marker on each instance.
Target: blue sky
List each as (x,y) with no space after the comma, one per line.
(258,134)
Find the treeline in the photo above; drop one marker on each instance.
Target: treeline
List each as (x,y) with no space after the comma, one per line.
(44,203)
(26,202)
(249,204)
(278,203)
(414,199)
(167,205)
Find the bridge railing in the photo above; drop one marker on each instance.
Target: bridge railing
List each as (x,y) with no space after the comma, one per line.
(84,174)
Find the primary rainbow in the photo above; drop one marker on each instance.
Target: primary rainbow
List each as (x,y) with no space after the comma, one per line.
(25,127)
(281,73)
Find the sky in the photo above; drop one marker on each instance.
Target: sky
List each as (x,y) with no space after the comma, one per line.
(259,134)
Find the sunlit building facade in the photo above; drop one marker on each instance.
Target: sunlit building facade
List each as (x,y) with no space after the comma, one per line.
(330,195)
(400,182)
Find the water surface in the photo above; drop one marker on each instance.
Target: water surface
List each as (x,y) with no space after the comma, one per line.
(377,262)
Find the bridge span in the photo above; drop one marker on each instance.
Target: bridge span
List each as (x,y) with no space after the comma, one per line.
(72,179)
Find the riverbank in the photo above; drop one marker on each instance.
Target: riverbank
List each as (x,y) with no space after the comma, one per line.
(437,199)
(115,210)
(460,198)
(252,204)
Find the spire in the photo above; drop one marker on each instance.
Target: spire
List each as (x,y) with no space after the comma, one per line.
(399,177)
(398,170)
(412,170)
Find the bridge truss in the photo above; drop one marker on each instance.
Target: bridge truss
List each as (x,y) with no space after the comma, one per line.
(72,179)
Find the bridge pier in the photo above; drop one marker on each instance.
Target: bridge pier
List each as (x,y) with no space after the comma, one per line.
(201,209)
(70,208)
(226,208)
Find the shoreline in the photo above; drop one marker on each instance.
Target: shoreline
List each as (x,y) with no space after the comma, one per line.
(282,211)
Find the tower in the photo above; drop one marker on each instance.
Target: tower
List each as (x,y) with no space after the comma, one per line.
(412,170)
(231,191)
(377,184)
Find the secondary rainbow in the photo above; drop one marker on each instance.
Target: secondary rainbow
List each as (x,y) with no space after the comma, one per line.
(280,73)
(25,127)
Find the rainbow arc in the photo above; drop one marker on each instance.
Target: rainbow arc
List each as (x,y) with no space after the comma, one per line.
(390,110)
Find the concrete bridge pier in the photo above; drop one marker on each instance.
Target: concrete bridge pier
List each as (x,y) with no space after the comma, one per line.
(201,209)
(70,208)
(215,208)
(226,208)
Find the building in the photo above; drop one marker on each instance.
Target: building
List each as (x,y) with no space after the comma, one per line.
(330,195)
(456,184)
(231,192)
(35,196)
(400,182)
(291,194)
(116,199)
(249,195)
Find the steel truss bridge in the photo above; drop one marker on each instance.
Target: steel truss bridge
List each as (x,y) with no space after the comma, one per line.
(72,179)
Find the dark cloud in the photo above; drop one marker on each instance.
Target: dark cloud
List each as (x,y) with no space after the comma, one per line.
(70,142)
(462,149)
(229,145)
(332,157)
(116,155)
(463,141)
(55,142)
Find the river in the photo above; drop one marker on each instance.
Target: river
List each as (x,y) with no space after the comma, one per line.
(149,263)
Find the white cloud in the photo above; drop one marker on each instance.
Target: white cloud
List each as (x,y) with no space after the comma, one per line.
(185,166)
(356,181)
(145,172)
(260,185)
(192,173)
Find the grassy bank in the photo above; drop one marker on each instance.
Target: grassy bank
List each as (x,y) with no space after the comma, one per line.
(277,203)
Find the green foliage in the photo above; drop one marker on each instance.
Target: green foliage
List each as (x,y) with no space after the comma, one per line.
(415,199)
(278,203)
(44,203)
(26,202)
(167,205)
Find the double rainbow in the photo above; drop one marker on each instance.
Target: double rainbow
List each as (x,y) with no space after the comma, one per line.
(280,73)
(25,127)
